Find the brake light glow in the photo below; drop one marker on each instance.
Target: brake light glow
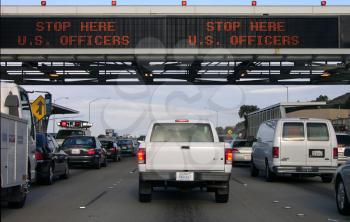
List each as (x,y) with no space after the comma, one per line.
(63,124)
(141,156)
(228,156)
(91,151)
(335,153)
(275,152)
(38,155)
(181,121)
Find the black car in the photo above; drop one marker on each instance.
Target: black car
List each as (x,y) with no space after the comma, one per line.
(51,161)
(113,150)
(85,150)
(128,146)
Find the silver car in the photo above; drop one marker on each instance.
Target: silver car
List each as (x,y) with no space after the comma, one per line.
(242,151)
(343,143)
(342,186)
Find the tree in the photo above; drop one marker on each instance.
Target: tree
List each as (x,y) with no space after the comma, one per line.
(322,98)
(245,109)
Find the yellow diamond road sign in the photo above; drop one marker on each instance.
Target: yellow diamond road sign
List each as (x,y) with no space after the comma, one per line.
(39,108)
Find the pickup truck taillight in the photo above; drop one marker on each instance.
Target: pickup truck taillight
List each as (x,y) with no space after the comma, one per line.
(141,156)
(38,155)
(228,156)
(91,151)
(275,152)
(335,153)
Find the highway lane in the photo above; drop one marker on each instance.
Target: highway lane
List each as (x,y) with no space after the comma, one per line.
(110,194)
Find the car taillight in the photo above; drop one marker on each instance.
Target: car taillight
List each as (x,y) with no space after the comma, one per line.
(228,156)
(114,149)
(275,152)
(141,155)
(335,153)
(38,155)
(91,151)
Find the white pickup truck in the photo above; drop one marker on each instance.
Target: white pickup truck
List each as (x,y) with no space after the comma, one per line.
(184,154)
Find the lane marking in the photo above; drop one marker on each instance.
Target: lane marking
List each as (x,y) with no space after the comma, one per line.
(82,207)
(240,182)
(96,198)
(333,220)
(300,215)
(275,201)
(287,207)
(133,171)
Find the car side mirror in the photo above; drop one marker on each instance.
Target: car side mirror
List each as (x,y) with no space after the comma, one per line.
(347,152)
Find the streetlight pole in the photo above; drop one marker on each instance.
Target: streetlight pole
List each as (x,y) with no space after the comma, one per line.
(94,100)
(287,87)
(54,120)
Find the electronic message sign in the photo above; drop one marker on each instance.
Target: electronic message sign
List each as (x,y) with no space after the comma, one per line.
(174,32)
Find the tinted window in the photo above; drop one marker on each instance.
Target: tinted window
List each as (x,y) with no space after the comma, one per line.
(62,134)
(293,131)
(343,140)
(39,142)
(317,132)
(237,144)
(182,132)
(124,142)
(106,144)
(79,141)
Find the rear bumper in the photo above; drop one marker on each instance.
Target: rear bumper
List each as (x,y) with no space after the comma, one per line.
(305,169)
(82,159)
(42,168)
(198,176)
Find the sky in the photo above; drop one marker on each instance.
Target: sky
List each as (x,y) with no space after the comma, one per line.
(130,109)
(175,2)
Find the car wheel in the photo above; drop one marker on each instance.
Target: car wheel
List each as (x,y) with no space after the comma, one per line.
(66,172)
(145,192)
(221,198)
(326,178)
(21,201)
(105,162)
(343,204)
(269,175)
(98,164)
(50,175)
(254,172)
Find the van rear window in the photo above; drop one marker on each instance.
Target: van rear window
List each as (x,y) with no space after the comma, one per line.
(293,131)
(317,132)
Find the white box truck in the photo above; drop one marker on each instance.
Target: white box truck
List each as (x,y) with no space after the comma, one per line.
(17,135)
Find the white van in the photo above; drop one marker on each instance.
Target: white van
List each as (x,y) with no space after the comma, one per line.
(297,146)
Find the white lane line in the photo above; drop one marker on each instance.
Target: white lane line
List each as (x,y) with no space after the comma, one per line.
(82,207)
(275,201)
(300,215)
(287,207)
(333,220)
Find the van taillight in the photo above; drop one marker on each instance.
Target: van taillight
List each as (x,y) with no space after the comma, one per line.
(91,151)
(141,156)
(228,156)
(335,153)
(275,152)
(38,155)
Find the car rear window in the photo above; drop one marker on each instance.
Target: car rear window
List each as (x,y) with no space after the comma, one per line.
(106,144)
(237,144)
(317,132)
(293,131)
(182,132)
(62,134)
(79,141)
(343,140)
(124,142)
(39,141)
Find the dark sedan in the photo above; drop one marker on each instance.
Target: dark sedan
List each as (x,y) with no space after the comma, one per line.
(85,150)
(342,186)
(51,161)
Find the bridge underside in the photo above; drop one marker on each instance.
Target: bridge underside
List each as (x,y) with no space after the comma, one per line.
(175,70)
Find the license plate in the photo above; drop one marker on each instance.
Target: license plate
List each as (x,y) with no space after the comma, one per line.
(75,151)
(316,153)
(124,148)
(185,176)
(247,157)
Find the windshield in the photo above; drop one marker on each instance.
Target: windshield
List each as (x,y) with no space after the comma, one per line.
(182,132)
(343,140)
(62,134)
(84,141)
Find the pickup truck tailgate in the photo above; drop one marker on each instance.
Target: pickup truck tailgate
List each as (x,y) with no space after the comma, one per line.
(208,156)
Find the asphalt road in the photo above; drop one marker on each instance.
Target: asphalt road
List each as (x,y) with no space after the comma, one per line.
(111,194)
